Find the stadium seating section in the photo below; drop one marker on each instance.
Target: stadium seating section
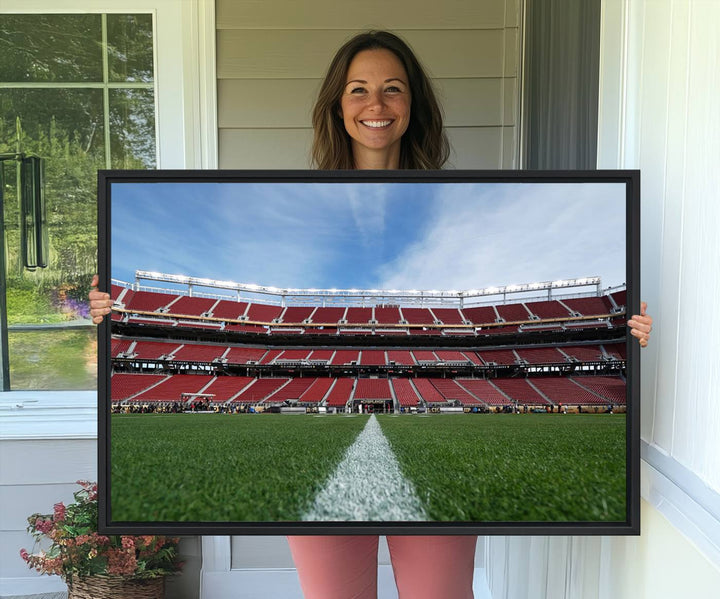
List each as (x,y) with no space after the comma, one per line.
(496,372)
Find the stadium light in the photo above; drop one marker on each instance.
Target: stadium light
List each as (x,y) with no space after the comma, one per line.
(455,294)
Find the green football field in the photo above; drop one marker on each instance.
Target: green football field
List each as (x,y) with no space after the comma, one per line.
(271,468)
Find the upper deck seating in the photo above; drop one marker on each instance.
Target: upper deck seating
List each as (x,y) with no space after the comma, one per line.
(418,316)
(229,309)
(387,314)
(173,387)
(620,298)
(149,301)
(372,389)
(263,312)
(512,312)
(124,386)
(328,314)
(405,392)
(121,294)
(194,306)
(548,309)
(340,392)
(356,315)
(485,391)
(373,357)
(297,314)
(448,315)
(480,314)
(587,306)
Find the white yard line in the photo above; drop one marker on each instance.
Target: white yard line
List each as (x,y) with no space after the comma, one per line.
(367,485)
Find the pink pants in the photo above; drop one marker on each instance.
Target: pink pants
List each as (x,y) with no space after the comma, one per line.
(337,567)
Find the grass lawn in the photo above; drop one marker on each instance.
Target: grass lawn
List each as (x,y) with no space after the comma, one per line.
(255,468)
(213,467)
(510,467)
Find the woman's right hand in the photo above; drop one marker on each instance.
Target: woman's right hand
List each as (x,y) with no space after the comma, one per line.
(100,302)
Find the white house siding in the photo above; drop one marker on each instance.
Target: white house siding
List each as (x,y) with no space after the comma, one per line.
(271,58)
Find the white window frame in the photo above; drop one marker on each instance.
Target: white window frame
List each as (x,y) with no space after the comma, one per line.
(186,138)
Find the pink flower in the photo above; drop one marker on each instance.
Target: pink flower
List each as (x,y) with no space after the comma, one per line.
(121,562)
(128,543)
(59,512)
(24,555)
(44,526)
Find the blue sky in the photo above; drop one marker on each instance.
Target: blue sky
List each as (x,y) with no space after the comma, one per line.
(370,235)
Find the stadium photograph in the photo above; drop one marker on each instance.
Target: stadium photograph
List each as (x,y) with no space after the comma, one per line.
(368,352)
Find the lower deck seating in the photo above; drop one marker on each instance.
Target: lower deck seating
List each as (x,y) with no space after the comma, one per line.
(612,388)
(125,386)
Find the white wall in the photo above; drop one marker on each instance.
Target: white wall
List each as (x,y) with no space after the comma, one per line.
(660,84)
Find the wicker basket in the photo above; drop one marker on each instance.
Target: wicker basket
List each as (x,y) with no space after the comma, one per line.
(116,587)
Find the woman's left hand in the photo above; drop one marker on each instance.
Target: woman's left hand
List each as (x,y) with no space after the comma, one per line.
(641,325)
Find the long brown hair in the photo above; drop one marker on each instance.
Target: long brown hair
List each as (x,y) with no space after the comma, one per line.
(424,144)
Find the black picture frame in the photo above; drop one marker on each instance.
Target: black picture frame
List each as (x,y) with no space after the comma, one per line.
(630,525)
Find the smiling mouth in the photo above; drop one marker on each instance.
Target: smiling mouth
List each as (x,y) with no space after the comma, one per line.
(376,124)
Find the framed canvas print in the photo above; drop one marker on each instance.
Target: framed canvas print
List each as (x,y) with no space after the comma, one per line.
(385,352)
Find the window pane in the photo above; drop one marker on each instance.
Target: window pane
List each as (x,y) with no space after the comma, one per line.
(132,128)
(65,127)
(130,47)
(50,48)
(54,359)
(51,342)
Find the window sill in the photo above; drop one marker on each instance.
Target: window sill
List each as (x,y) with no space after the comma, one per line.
(683,498)
(48,415)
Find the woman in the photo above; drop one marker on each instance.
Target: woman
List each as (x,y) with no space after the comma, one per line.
(377,110)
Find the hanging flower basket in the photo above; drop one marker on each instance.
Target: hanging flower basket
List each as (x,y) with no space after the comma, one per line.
(116,587)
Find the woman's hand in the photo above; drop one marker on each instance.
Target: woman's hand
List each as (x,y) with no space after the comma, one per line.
(100,302)
(641,325)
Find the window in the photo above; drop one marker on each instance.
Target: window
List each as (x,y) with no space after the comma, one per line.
(78,90)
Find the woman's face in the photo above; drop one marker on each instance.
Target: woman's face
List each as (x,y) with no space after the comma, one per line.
(375,104)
